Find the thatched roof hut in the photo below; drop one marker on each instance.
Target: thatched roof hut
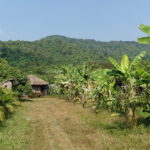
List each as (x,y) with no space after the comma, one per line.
(34,80)
(39,86)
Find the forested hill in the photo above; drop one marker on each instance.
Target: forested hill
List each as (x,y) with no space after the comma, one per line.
(57,50)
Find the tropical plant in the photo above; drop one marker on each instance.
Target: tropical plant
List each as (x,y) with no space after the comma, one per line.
(143,74)
(72,83)
(145,29)
(102,93)
(8,102)
(128,84)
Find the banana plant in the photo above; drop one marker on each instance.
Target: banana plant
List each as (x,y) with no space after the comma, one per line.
(145,29)
(145,75)
(125,75)
(102,93)
(72,82)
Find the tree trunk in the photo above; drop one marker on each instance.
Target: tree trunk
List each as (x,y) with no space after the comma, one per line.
(83,100)
(126,115)
(133,117)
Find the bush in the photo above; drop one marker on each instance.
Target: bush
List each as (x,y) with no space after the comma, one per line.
(8,103)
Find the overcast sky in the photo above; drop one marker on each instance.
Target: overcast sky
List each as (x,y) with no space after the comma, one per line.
(102,20)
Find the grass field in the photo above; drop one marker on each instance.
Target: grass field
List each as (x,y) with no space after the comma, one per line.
(13,132)
(54,124)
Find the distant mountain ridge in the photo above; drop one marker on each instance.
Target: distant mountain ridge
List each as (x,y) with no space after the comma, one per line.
(61,50)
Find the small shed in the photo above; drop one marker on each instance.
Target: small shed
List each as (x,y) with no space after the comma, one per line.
(7,84)
(38,85)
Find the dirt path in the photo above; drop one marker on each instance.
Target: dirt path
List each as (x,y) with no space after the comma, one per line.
(57,125)
(54,124)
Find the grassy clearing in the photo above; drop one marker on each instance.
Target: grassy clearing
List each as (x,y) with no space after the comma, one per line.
(54,124)
(115,135)
(13,132)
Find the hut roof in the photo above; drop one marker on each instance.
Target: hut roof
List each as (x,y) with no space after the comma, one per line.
(34,80)
(6,81)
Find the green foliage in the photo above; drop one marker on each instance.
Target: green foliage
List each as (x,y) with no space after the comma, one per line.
(137,59)
(41,56)
(122,89)
(72,82)
(146,29)
(8,103)
(144,40)
(8,98)
(5,70)
(130,85)
(20,83)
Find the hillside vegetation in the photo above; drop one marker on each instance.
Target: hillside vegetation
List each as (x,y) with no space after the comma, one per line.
(60,50)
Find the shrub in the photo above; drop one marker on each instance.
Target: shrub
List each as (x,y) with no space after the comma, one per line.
(8,103)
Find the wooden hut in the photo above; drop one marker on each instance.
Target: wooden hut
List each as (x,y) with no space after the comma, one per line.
(7,84)
(38,85)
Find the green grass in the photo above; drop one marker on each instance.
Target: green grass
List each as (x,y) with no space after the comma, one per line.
(69,124)
(117,136)
(13,132)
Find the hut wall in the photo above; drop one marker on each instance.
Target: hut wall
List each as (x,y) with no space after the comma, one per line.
(36,89)
(7,85)
(40,89)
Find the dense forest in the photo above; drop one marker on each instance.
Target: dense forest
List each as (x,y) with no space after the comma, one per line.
(38,56)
